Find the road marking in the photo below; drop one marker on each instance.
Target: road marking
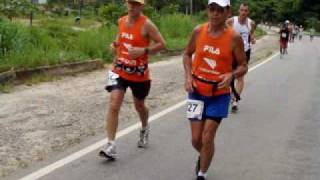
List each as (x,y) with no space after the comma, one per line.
(264,62)
(64,161)
(52,167)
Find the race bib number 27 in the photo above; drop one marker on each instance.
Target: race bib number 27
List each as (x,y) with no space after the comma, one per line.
(194,109)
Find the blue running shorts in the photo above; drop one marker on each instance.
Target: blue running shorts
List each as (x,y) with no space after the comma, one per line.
(203,107)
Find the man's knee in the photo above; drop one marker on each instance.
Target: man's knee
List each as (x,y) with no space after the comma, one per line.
(115,101)
(196,141)
(114,108)
(140,106)
(114,105)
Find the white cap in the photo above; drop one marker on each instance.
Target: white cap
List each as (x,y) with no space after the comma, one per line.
(222,3)
(287,21)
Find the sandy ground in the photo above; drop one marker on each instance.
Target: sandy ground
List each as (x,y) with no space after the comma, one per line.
(40,120)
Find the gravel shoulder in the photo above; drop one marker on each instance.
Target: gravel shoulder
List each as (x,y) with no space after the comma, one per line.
(45,119)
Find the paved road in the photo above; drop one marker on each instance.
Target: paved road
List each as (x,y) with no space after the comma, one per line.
(275,135)
(40,121)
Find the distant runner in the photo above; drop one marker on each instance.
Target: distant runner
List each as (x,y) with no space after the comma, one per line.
(300,32)
(312,33)
(294,32)
(284,38)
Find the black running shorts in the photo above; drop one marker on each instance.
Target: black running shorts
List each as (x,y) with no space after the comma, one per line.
(248,56)
(140,90)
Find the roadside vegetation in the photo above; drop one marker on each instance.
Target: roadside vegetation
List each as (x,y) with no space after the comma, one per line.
(58,39)
(54,37)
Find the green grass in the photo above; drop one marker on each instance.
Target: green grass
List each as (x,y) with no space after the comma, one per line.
(176,30)
(53,41)
(28,47)
(4,68)
(259,33)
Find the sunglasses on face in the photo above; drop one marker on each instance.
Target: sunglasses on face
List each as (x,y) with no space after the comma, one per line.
(214,7)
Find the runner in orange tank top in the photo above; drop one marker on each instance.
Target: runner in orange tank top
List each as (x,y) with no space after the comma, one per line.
(208,73)
(130,37)
(130,69)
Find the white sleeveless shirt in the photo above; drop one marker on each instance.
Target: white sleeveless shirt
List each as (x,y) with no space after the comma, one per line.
(244,30)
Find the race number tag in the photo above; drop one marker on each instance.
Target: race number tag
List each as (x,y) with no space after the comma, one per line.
(194,109)
(284,35)
(112,78)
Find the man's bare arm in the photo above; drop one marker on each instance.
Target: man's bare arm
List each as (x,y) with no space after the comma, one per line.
(253,29)
(154,35)
(187,59)
(229,22)
(240,57)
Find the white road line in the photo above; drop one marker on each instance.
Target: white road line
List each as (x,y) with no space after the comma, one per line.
(262,63)
(52,167)
(62,162)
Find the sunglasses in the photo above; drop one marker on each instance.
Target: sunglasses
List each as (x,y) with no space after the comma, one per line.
(215,7)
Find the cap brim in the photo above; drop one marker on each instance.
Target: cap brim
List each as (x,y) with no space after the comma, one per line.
(220,4)
(135,1)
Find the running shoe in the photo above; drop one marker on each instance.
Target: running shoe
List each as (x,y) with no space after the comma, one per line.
(108,151)
(144,138)
(234,107)
(201,178)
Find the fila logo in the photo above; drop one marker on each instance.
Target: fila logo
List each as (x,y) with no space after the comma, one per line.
(211,49)
(126,36)
(212,63)
(128,46)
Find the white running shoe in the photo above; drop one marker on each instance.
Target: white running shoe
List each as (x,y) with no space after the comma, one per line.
(234,106)
(144,138)
(108,151)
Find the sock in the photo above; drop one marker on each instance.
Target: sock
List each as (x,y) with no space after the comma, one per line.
(200,173)
(112,142)
(145,128)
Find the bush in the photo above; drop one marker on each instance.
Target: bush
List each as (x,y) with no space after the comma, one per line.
(313,22)
(170,9)
(201,16)
(259,33)
(152,14)
(176,26)
(13,38)
(112,12)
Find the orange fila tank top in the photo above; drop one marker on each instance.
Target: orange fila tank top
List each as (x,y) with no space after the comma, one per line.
(213,57)
(131,37)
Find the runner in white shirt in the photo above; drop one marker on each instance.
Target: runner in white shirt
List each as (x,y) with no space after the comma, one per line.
(246,28)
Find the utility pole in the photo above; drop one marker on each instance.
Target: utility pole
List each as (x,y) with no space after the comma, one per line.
(80,6)
(31,12)
(191,7)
